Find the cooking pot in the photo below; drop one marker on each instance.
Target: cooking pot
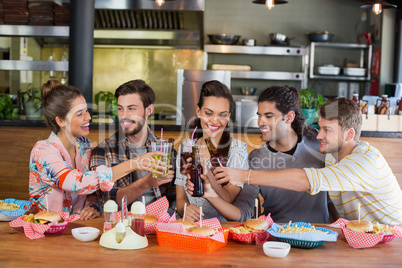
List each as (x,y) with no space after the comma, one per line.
(279,39)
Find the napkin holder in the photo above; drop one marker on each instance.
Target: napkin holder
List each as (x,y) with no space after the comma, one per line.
(131,241)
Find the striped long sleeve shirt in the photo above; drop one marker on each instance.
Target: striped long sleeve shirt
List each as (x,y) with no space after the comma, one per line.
(362,177)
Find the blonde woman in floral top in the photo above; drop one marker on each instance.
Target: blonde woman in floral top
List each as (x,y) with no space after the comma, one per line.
(59,166)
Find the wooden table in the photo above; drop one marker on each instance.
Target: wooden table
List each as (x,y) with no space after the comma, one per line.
(63,250)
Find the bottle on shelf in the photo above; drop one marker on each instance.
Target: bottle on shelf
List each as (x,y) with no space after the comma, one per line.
(355,99)
(63,79)
(400,107)
(196,171)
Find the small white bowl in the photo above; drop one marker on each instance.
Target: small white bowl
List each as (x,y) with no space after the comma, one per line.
(276,249)
(85,234)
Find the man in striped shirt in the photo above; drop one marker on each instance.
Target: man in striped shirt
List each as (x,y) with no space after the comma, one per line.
(355,172)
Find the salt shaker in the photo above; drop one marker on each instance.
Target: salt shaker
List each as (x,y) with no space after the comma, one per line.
(138,217)
(109,215)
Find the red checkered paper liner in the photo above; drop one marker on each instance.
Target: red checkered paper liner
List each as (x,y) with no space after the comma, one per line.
(259,237)
(365,240)
(178,228)
(158,209)
(34,230)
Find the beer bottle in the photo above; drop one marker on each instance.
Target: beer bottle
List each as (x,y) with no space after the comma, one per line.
(196,171)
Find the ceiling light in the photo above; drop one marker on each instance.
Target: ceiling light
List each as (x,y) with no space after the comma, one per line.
(378,6)
(270,3)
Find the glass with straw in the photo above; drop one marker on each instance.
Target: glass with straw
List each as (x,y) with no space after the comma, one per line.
(165,147)
(185,154)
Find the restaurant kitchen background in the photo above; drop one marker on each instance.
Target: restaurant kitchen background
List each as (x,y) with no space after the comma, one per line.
(119,60)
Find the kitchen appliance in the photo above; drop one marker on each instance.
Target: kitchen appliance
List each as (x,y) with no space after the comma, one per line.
(353,89)
(189,83)
(343,89)
(249,42)
(246,112)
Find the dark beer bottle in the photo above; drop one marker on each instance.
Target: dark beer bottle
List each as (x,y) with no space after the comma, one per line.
(196,171)
(216,159)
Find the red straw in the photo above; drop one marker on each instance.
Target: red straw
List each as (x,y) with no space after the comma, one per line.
(192,136)
(161,138)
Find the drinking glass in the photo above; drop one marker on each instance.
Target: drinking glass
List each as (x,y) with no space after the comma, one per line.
(165,147)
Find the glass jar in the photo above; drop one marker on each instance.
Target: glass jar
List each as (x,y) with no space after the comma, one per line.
(138,218)
(109,215)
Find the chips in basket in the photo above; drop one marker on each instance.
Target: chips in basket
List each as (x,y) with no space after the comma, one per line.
(10,208)
(302,234)
(367,240)
(245,235)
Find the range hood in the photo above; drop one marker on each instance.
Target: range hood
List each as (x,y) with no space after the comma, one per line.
(142,23)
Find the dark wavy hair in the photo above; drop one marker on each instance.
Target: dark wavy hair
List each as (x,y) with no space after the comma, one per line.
(138,86)
(57,99)
(215,88)
(286,99)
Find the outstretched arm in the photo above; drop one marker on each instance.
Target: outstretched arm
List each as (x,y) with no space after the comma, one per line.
(290,179)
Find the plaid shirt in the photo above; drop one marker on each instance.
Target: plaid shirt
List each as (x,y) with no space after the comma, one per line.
(118,149)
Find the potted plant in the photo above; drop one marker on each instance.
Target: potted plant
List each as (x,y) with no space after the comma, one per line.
(7,109)
(110,102)
(32,102)
(309,104)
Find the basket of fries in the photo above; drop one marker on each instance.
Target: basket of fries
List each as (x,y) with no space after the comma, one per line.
(302,234)
(10,208)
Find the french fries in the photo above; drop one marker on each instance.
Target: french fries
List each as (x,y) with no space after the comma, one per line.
(8,206)
(243,230)
(295,229)
(29,218)
(382,228)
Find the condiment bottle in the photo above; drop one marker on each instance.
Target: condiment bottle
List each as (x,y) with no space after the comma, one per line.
(138,217)
(400,107)
(109,215)
(383,105)
(355,99)
(196,171)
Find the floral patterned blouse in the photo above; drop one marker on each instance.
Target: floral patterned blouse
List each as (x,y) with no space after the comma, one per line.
(51,174)
(238,158)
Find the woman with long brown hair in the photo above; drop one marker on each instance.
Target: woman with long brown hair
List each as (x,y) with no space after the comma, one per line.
(60,178)
(213,116)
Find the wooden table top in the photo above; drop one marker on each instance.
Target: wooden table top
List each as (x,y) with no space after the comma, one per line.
(16,250)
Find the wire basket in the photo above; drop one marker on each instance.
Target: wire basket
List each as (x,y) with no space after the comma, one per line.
(193,243)
(57,228)
(300,243)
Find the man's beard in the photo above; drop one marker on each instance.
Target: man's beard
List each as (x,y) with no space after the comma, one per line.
(138,128)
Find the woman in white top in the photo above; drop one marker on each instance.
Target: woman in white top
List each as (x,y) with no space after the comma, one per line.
(213,115)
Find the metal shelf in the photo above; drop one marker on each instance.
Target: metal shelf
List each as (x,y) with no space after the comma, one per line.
(21,65)
(34,31)
(294,76)
(340,77)
(256,50)
(362,48)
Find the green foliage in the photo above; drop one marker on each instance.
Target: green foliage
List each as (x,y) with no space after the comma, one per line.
(32,94)
(7,109)
(109,99)
(307,100)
